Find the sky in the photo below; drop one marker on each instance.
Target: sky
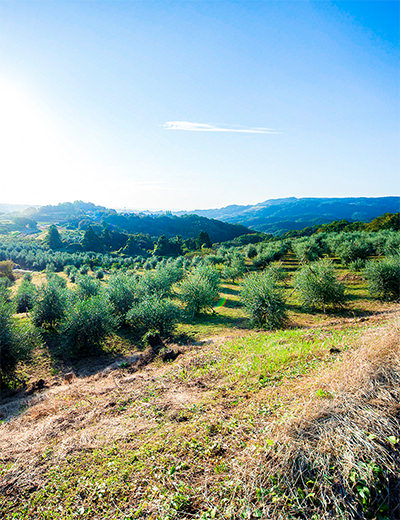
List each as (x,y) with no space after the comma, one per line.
(198,104)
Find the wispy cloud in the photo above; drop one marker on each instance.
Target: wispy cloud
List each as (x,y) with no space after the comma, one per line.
(203,127)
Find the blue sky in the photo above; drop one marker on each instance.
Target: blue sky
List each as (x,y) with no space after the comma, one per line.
(197,104)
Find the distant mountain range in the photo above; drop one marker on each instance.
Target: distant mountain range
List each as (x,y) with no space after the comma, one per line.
(280,215)
(271,216)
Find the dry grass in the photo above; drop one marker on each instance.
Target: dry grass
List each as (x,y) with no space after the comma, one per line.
(149,444)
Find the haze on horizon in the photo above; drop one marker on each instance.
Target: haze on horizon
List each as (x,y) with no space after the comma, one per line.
(185,105)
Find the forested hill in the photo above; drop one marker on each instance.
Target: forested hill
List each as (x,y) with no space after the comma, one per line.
(280,215)
(186,226)
(80,215)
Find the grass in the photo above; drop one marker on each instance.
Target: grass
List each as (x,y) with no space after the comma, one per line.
(298,423)
(185,440)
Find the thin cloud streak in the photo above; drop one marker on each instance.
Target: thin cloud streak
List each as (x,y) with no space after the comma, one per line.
(188,126)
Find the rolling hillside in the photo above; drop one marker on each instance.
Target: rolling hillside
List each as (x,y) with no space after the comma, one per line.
(280,215)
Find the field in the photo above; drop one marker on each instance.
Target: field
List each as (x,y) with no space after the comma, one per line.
(294,423)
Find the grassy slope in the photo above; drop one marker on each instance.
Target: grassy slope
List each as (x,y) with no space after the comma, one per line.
(212,434)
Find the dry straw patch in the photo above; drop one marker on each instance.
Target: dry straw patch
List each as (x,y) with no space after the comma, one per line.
(336,456)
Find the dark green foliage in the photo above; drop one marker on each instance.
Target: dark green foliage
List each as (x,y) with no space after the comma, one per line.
(87,324)
(84,269)
(203,240)
(99,274)
(235,268)
(91,241)
(50,304)
(264,301)
(383,278)
(208,273)
(318,286)
(25,297)
(251,251)
(53,239)
(16,341)
(154,314)
(186,226)
(168,246)
(138,244)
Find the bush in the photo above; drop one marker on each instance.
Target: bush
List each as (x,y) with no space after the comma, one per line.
(235,269)
(352,250)
(159,282)
(307,249)
(264,301)
(318,285)
(383,278)
(25,297)
(198,293)
(251,251)
(16,342)
(6,270)
(209,273)
(87,287)
(87,324)
(154,314)
(122,292)
(50,304)
(99,274)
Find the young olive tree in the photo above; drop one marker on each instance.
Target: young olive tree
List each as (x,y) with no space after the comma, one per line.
(383,278)
(264,301)
(50,304)
(199,290)
(87,324)
(25,296)
(318,286)
(122,291)
(16,342)
(154,314)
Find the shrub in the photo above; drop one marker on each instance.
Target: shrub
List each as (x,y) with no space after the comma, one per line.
(159,282)
(25,297)
(264,301)
(99,274)
(357,265)
(318,285)
(50,304)
(87,324)
(154,314)
(16,341)
(209,273)
(198,293)
(234,270)
(251,251)
(383,278)
(122,292)
(84,269)
(87,287)
(307,249)
(6,270)
(352,250)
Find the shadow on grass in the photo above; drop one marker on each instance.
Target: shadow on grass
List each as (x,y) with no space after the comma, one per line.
(230,290)
(217,320)
(340,312)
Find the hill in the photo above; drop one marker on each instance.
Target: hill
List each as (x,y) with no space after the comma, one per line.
(281,215)
(186,226)
(81,215)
